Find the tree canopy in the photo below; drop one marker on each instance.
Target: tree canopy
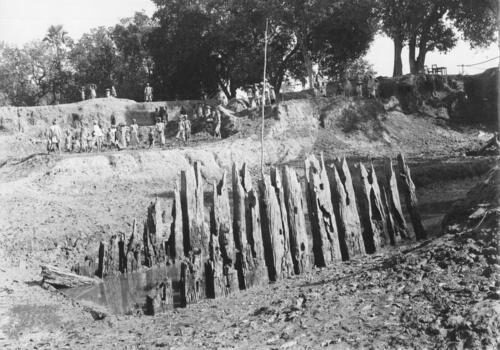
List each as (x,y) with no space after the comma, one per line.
(191,48)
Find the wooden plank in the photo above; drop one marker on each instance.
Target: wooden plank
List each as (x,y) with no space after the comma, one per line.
(346,212)
(408,188)
(276,182)
(148,248)
(176,239)
(378,207)
(122,254)
(394,201)
(113,256)
(60,278)
(192,203)
(103,257)
(223,246)
(370,217)
(272,233)
(214,271)
(133,250)
(257,273)
(192,286)
(243,255)
(299,244)
(326,246)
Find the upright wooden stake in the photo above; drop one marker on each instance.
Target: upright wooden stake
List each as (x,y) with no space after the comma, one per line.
(411,198)
(394,202)
(346,212)
(263,102)
(326,246)
(299,244)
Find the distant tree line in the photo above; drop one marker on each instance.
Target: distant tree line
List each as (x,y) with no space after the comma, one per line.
(193,47)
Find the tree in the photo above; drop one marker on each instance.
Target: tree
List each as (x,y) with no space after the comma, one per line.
(428,25)
(135,65)
(95,58)
(58,40)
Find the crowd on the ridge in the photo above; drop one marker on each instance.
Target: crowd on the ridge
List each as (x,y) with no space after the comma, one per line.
(81,138)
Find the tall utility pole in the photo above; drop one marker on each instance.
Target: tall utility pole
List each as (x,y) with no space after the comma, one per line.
(263,104)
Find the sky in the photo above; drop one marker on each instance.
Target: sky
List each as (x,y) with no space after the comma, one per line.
(24,20)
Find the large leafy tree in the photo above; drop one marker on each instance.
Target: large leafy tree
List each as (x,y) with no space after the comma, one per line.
(135,63)
(429,25)
(95,59)
(60,44)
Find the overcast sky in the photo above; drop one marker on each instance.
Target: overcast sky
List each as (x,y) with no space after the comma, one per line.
(25,20)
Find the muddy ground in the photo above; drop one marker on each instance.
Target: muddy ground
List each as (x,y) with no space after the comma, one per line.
(441,294)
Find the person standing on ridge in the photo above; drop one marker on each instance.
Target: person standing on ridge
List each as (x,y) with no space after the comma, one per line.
(148,93)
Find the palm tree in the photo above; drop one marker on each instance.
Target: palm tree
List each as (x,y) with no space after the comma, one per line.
(56,36)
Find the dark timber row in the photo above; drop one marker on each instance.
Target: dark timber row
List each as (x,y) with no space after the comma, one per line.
(265,237)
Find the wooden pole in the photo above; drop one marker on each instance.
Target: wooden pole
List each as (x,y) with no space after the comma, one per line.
(263,103)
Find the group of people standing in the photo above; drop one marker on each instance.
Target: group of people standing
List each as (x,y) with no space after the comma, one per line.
(251,95)
(92,92)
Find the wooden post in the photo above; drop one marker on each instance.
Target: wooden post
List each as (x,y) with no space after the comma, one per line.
(346,211)
(243,249)
(326,246)
(411,198)
(192,279)
(394,202)
(214,271)
(132,255)
(101,267)
(370,217)
(160,299)
(257,273)
(299,244)
(196,241)
(378,206)
(176,240)
(195,235)
(113,256)
(279,265)
(220,267)
(122,254)
(276,182)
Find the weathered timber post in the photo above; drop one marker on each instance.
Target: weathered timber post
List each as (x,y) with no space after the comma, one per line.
(192,284)
(220,272)
(278,262)
(122,254)
(276,182)
(160,298)
(133,250)
(148,246)
(394,202)
(176,239)
(326,247)
(113,256)
(155,221)
(299,244)
(411,198)
(195,234)
(101,267)
(257,273)
(346,211)
(378,206)
(243,249)
(214,271)
(369,215)
(196,242)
